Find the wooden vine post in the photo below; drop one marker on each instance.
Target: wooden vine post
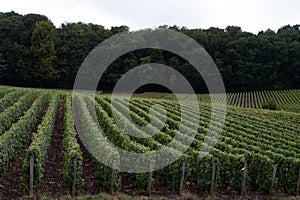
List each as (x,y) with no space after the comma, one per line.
(213,177)
(112,181)
(298,184)
(150,177)
(31,167)
(74,177)
(181,186)
(243,189)
(273,178)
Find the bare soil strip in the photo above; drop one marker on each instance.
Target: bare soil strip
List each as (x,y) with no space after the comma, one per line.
(91,184)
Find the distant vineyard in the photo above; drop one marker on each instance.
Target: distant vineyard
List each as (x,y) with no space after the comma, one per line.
(288,100)
(259,138)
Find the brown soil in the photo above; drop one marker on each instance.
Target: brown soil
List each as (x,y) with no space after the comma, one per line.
(127,186)
(91,184)
(11,184)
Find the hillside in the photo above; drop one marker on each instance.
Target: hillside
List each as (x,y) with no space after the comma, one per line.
(39,124)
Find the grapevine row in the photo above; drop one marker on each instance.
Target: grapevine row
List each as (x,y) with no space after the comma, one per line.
(12,140)
(41,141)
(71,148)
(12,113)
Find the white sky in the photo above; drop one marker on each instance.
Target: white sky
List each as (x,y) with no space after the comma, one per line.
(251,15)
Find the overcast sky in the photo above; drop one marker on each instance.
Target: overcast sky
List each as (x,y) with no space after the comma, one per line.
(251,15)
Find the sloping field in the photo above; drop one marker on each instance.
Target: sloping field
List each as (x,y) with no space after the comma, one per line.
(38,126)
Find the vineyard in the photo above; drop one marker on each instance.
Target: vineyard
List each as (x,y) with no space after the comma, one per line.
(258,150)
(288,100)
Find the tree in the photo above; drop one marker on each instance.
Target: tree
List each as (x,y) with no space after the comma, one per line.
(42,47)
(34,55)
(3,69)
(234,31)
(73,44)
(30,21)
(119,29)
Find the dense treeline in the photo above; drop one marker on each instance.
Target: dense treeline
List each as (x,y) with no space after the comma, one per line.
(33,52)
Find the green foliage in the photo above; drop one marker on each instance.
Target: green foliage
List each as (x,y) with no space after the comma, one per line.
(10,99)
(35,53)
(141,181)
(260,172)
(41,141)
(288,174)
(19,133)
(12,114)
(287,100)
(88,125)
(5,91)
(43,50)
(239,145)
(270,104)
(71,148)
(258,138)
(203,170)
(3,67)
(170,175)
(103,174)
(15,42)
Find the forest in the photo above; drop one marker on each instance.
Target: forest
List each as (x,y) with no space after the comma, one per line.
(35,53)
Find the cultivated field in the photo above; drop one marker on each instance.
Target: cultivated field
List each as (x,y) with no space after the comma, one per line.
(37,129)
(288,100)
